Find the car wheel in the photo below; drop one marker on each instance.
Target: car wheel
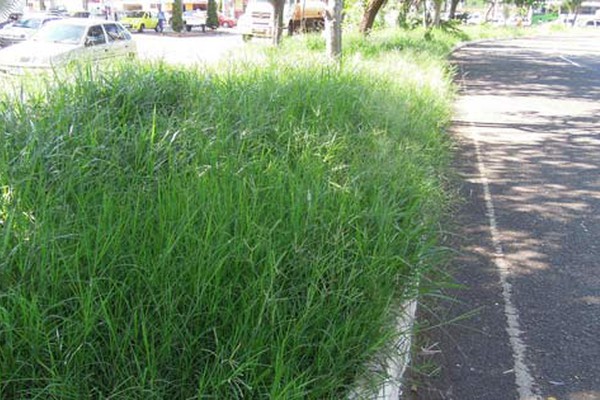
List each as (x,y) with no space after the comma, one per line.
(141,29)
(226,25)
(246,38)
(188,28)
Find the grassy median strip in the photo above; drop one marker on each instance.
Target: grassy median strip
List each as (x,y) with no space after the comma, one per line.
(248,232)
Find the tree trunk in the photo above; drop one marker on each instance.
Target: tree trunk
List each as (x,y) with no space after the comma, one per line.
(333,28)
(277,20)
(453,6)
(491,8)
(437,17)
(371,10)
(574,18)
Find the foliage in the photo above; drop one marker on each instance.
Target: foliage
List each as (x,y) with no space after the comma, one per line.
(212,19)
(177,21)
(242,232)
(572,5)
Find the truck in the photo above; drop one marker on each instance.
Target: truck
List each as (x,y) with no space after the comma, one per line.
(194,19)
(298,15)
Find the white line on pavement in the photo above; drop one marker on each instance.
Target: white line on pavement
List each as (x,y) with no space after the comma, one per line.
(523,378)
(570,61)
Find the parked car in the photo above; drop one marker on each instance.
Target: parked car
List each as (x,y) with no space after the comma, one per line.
(194,19)
(98,14)
(81,14)
(12,18)
(24,28)
(61,11)
(593,22)
(226,22)
(69,40)
(139,20)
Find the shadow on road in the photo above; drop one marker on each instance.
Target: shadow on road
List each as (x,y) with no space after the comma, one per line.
(535,117)
(534,73)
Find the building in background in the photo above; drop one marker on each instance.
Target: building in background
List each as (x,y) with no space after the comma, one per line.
(112,8)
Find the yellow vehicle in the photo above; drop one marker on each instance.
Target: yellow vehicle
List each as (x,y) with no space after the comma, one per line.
(139,20)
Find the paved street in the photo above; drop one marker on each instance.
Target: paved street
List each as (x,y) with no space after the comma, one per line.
(526,323)
(190,48)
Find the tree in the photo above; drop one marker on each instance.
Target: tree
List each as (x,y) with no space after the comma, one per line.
(371,10)
(212,19)
(453,6)
(277,20)
(333,28)
(573,7)
(437,15)
(491,10)
(403,13)
(525,6)
(177,20)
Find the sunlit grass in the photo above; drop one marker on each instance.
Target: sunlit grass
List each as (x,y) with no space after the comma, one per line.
(248,232)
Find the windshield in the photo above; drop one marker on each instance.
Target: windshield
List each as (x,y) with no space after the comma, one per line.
(29,23)
(62,33)
(135,14)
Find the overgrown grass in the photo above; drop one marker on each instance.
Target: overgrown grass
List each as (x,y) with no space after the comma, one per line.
(243,233)
(418,46)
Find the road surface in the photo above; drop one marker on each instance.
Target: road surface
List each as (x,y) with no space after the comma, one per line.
(526,322)
(191,47)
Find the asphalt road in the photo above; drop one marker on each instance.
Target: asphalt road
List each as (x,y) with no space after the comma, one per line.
(526,322)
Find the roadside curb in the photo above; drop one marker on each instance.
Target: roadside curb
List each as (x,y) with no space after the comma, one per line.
(392,365)
(398,362)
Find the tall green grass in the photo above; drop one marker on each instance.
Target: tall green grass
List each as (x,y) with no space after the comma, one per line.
(244,233)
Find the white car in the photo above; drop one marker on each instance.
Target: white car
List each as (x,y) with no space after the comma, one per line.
(74,39)
(24,28)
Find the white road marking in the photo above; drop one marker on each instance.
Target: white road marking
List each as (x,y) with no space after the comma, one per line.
(570,61)
(523,379)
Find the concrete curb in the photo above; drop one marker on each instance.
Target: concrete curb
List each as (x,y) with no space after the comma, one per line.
(394,364)
(398,362)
